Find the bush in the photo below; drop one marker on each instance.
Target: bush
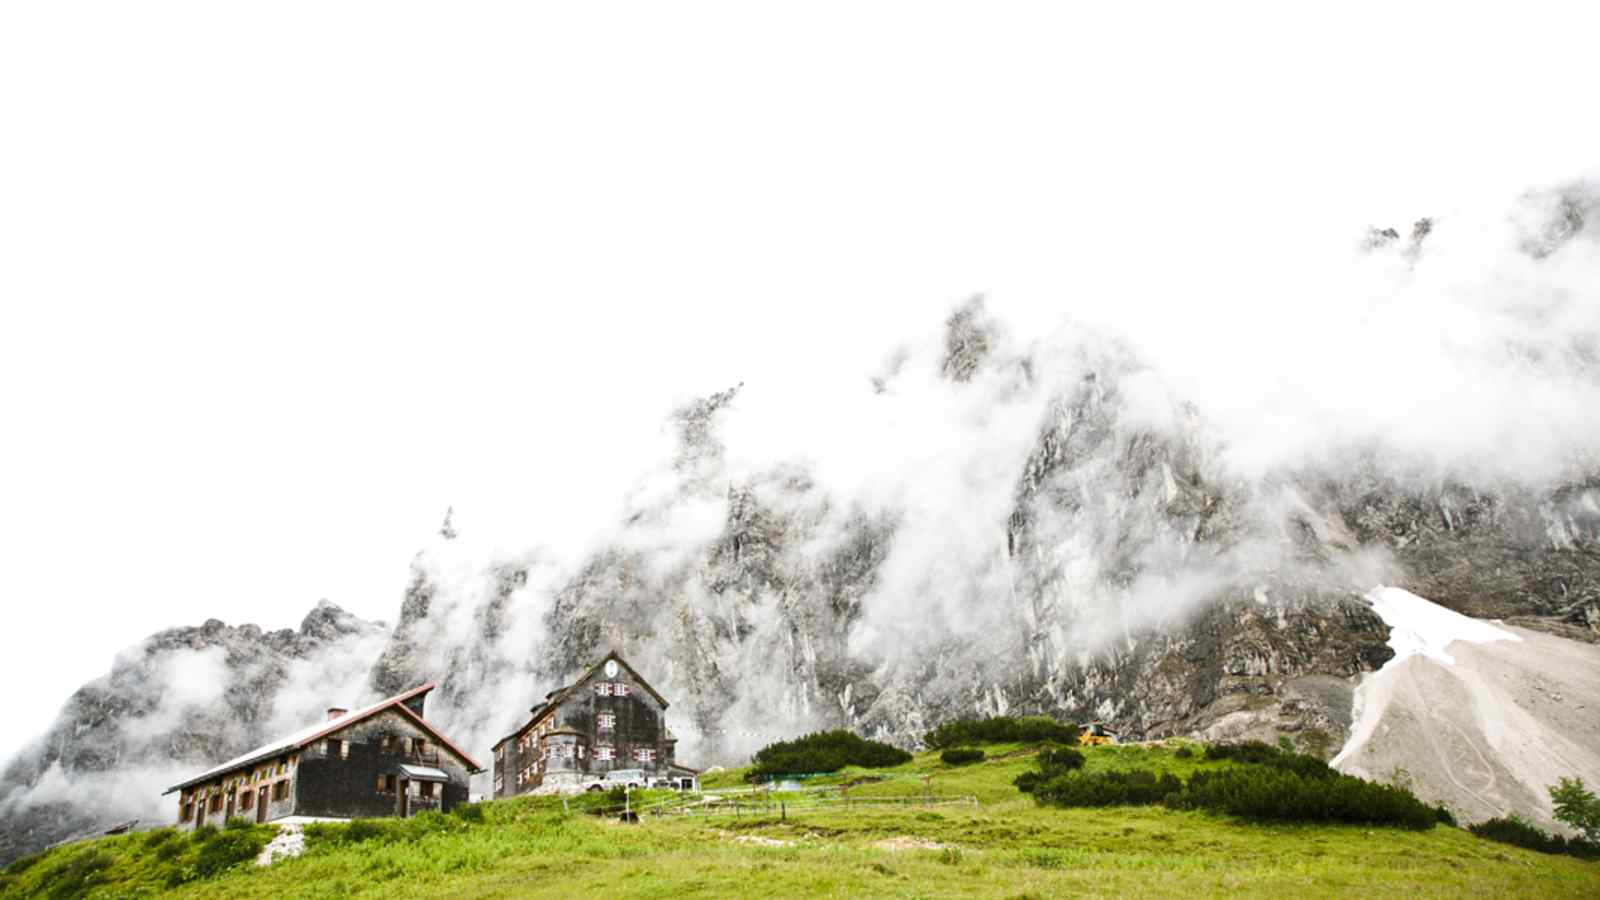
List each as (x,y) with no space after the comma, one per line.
(167,851)
(159,836)
(1106,788)
(1183,752)
(78,874)
(1444,815)
(961,757)
(469,812)
(823,751)
(24,863)
(1512,830)
(238,822)
(1059,760)
(202,834)
(228,849)
(1264,792)
(1052,762)
(1262,754)
(1000,730)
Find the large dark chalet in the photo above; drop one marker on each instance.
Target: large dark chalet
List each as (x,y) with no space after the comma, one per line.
(384,760)
(610,722)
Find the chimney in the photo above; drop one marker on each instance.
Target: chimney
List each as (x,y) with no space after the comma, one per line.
(335,712)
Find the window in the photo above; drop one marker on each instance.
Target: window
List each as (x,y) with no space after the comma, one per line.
(623,690)
(246,799)
(283,766)
(607,721)
(280,790)
(419,745)
(185,812)
(338,748)
(644,754)
(216,803)
(427,789)
(386,784)
(499,783)
(604,753)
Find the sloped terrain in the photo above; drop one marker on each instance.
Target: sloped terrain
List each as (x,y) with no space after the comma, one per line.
(1005,846)
(1012,524)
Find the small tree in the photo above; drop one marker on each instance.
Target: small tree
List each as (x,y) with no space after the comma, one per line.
(1578,807)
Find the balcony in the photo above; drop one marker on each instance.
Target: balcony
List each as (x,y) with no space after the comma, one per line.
(422,758)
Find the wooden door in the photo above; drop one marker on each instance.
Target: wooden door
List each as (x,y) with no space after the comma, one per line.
(405,797)
(261,806)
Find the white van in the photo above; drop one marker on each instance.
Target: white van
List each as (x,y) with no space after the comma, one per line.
(632,778)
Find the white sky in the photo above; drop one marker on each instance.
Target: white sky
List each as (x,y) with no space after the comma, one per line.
(279,283)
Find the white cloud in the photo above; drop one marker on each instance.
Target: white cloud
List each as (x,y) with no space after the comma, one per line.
(284,284)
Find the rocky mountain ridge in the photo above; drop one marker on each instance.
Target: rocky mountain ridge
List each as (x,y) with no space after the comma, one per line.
(1099,561)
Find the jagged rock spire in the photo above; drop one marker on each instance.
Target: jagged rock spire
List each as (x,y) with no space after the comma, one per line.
(447,530)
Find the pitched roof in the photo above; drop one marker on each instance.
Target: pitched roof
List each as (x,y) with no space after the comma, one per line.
(555,697)
(312,733)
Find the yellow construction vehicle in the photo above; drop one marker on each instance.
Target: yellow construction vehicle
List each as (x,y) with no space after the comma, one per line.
(1094,734)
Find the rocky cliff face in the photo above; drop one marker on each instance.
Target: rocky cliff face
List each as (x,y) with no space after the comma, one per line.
(1081,548)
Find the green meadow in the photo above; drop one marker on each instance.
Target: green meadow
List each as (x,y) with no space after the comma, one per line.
(874,838)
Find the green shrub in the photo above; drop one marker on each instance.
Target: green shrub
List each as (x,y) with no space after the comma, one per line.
(166,851)
(1512,830)
(202,834)
(469,812)
(961,757)
(1265,792)
(24,863)
(1051,763)
(238,822)
(228,849)
(1000,730)
(1183,752)
(77,874)
(1059,760)
(1444,815)
(1106,788)
(1264,754)
(159,836)
(823,751)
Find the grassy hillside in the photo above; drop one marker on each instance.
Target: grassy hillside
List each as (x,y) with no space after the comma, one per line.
(1005,846)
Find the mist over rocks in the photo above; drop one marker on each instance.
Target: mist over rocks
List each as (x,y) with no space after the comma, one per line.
(995,522)
(180,700)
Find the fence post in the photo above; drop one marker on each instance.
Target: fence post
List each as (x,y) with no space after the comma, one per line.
(783,812)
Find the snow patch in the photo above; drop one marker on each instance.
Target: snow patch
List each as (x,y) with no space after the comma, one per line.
(1417,627)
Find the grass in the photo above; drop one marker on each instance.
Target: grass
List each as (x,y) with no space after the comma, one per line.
(1005,847)
(143,864)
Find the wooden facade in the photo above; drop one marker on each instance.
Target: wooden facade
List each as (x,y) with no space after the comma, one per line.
(384,760)
(609,720)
